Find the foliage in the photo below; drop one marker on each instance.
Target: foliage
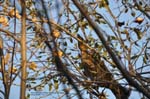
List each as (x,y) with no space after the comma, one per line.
(64,51)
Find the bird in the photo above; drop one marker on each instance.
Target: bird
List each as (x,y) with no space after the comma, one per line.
(93,67)
(96,70)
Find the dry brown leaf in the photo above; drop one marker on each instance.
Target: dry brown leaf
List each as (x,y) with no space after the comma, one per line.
(60,53)
(14,70)
(56,34)
(6,58)
(83,47)
(33,66)
(34,19)
(12,13)
(4,21)
(139,20)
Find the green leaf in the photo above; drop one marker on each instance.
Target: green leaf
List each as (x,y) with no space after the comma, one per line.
(29,27)
(133,13)
(146,56)
(126,10)
(28,96)
(71,40)
(56,85)
(138,33)
(65,43)
(33,82)
(50,86)
(105,53)
(144,60)
(39,57)
(135,56)
(113,38)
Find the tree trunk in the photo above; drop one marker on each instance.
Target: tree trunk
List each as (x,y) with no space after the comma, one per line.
(23,52)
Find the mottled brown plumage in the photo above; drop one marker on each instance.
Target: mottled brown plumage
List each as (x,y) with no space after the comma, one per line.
(95,69)
(93,66)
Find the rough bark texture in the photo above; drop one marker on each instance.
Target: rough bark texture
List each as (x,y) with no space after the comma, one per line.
(23,52)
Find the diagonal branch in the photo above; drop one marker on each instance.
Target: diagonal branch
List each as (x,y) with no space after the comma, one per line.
(10,34)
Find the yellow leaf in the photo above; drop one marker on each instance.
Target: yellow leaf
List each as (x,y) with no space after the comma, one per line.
(6,58)
(56,34)
(3,20)
(139,20)
(14,70)
(34,19)
(12,13)
(33,66)
(18,16)
(60,53)
(5,24)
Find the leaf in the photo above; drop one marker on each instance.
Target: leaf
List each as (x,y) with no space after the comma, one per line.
(103,3)
(13,13)
(105,53)
(4,21)
(33,82)
(135,56)
(56,85)
(113,38)
(33,66)
(71,40)
(63,80)
(133,13)
(39,88)
(126,10)
(56,33)
(50,86)
(121,23)
(65,43)
(34,19)
(139,20)
(138,33)
(28,96)
(144,60)
(14,70)
(60,53)
(146,56)
(29,27)
(6,58)
(39,57)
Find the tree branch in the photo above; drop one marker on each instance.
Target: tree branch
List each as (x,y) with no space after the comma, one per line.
(23,52)
(113,55)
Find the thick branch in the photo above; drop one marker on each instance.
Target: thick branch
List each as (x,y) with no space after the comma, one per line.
(23,52)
